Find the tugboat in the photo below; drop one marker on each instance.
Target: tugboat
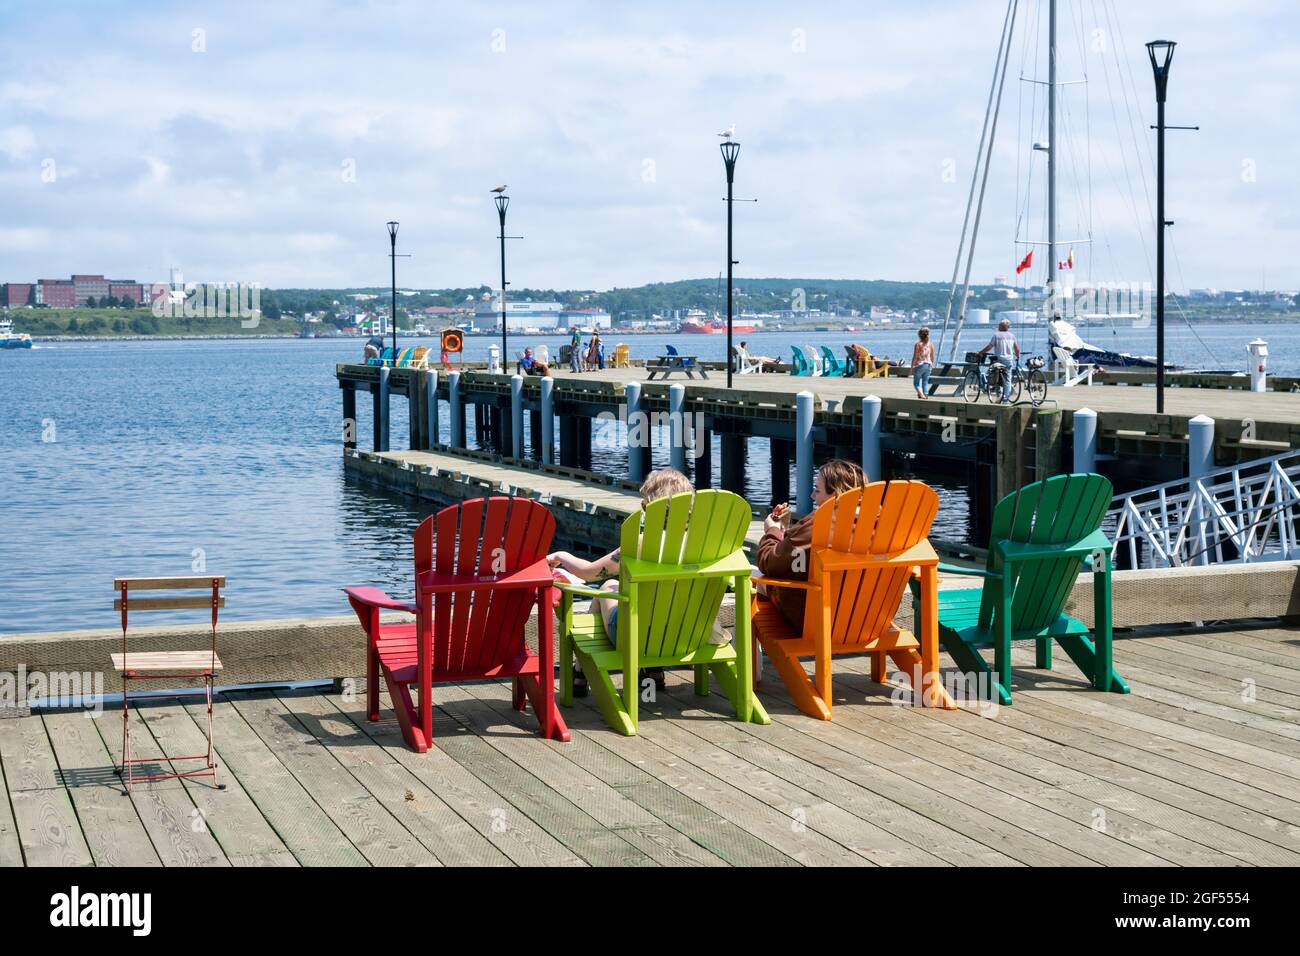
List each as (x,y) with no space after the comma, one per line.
(9,339)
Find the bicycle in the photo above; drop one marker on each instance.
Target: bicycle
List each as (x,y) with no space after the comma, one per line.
(988,380)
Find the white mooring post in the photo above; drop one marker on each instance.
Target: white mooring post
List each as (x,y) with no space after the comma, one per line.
(871,417)
(433,425)
(635,429)
(548,420)
(457,412)
(677,420)
(803,451)
(517,416)
(1085,441)
(1200,462)
(1258,350)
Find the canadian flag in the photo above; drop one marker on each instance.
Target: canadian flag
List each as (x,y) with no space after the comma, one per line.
(1026,262)
(1068,262)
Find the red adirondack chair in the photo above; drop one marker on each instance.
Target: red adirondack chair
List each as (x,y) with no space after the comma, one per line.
(480,567)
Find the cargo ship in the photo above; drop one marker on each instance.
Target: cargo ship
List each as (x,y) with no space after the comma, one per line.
(695,324)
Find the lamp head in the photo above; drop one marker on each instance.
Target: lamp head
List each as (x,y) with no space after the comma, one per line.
(503,203)
(392,231)
(1161,53)
(730,150)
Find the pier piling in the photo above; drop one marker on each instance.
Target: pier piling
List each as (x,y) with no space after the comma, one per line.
(349,418)
(803,453)
(779,449)
(1047,443)
(457,412)
(871,409)
(516,416)
(677,424)
(434,426)
(1085,440)
(638,435)
(702,445)
(1200,462)
(547,423)
(381,412)
(733,449)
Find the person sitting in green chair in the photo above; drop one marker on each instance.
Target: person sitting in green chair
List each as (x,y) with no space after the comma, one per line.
(574,570)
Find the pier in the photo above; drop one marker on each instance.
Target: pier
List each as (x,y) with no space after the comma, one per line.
(549,421)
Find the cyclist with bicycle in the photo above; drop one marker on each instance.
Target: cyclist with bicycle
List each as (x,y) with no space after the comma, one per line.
(1006,352)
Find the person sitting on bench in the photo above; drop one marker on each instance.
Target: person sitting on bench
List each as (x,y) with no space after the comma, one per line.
(531,366)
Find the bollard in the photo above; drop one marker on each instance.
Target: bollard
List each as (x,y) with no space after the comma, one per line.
(1085,441)
(1200,462)
(433,426)
(548,420)
(1258,350)
(677,420)
(456,419)
(803,451)
(381,412)
(638,433)
(871,418)
(517,416)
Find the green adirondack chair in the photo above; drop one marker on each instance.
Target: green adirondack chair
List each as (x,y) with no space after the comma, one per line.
(833,365)
(799,364)
(1042,536)
(673,573)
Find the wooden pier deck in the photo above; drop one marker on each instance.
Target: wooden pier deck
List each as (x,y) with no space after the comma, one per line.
(1189,769)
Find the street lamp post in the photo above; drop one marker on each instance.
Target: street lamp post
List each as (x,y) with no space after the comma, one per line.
(1161,53)
(503,203)
(730,150)
(392,256)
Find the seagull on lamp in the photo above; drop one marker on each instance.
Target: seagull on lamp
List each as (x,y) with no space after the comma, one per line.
(499,190)
(729,132)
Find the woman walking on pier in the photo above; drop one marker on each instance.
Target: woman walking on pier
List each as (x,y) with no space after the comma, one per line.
(922,362)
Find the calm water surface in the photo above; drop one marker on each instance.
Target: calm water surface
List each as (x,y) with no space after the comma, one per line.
(159,458)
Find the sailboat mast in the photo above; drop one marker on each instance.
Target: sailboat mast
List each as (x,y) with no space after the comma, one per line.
(1051,161)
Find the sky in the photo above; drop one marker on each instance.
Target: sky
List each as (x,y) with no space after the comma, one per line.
(270,142)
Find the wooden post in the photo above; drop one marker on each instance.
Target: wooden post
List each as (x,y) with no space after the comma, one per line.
(803,451)
(780,454)
(516,416)
(703,460)
(871,419)
(733,463)
(433,426)
(381,412)
(1200,462)
(349,416)
(569,441)
(584,442)
(1047,443)
(414,420)
(547,427)
(456,412)
(1013,424)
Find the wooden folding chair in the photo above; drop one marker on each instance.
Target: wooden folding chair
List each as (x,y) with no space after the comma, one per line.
(166,665)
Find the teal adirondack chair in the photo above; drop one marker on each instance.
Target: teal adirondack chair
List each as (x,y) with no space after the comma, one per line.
(1042,536)
(833,365)
(799,364)
(673,572)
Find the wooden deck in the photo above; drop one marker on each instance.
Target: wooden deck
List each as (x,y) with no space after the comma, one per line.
(1200,765)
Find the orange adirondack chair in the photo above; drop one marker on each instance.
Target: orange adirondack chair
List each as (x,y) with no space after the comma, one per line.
(866,545)
(480,567)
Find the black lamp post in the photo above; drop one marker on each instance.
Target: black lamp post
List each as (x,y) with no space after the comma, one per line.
(392,256)
(1162,54)
(730,150)
(503,203)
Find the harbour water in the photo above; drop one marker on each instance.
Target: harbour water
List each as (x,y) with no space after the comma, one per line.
(176,457)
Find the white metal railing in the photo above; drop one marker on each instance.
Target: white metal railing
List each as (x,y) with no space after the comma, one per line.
(1247,512)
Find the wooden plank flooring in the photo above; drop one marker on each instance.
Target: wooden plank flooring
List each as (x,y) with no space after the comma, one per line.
(1200,765)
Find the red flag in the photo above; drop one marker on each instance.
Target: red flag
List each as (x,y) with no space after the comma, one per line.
(1026,262)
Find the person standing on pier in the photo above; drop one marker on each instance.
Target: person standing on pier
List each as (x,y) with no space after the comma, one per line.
(565,566)
(575,350)
(922,362)
(784,552)
(593,351)
(1006,350)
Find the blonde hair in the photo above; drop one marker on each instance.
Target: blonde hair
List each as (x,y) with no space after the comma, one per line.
(923,333)
(664,482)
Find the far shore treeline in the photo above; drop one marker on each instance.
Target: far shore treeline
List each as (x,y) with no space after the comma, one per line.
(283,309)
